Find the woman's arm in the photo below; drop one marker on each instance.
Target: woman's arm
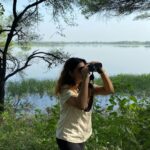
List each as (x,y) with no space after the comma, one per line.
(81,101)
(82,98)
(107,87)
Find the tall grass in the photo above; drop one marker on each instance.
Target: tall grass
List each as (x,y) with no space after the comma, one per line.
(124,84)
(138,85)
(30,87)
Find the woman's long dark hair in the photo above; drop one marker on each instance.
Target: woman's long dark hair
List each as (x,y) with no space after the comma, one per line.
(65,77)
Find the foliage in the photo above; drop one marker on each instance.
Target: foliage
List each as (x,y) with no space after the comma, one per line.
(113,8)
(131,84)
(124,128)
(145,15)
(32,132)
(123,124)
(127,127)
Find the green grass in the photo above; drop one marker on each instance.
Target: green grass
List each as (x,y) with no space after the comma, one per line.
(30,87)
(138,85)
(124,84)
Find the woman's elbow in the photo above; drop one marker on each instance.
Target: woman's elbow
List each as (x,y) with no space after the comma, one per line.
(112,91)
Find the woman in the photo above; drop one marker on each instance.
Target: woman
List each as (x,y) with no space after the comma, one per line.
(74,126)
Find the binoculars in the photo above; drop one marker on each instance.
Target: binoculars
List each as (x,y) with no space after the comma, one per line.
(94,67)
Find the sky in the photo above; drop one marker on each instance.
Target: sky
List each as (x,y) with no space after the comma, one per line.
(96,28)
(100,29)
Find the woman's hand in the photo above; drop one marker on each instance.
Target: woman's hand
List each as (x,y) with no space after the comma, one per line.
(85,72)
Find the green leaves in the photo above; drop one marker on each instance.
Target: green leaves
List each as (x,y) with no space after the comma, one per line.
(112,100)
(115,8)
(143,16)
(32,132)
(112,130)
(110,107)
(132,98)
(124,125)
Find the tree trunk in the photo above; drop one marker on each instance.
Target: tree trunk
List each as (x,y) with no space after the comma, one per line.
(2,85)
(2,95)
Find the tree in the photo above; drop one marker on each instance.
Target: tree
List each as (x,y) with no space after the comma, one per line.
(18,28)
(115,8)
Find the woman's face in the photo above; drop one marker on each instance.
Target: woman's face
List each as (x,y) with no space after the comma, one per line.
(77,72)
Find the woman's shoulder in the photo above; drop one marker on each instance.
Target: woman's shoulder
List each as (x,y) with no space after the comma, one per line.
(66,89)
(66,92)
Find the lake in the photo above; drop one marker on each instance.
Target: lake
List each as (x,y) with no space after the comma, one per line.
(115,59)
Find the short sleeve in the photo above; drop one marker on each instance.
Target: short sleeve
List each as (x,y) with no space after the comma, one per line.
(65,95)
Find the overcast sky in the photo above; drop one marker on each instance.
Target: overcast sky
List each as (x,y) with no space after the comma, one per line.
(97,28)
(100,29)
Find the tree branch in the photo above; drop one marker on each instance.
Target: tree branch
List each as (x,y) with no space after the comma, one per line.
(15,22)
(29,15)
(14,60)
(47,57)
(1,51)
(4,30)
(14,8)
(30,6)
(18,69)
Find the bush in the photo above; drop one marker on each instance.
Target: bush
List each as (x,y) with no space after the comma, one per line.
(123,125)
(124,128)
(28,132)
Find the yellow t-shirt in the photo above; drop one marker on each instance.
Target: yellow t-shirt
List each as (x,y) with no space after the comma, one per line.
(74,125)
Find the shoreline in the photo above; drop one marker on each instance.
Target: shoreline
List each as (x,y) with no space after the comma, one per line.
(123,83)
